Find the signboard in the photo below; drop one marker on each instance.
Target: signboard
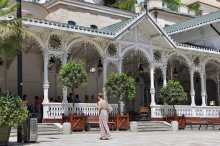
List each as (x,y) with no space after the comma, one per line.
(33,129)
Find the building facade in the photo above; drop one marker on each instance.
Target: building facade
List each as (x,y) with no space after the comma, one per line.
(154,46)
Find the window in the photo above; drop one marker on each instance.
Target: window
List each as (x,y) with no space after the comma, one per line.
(71,22)
(94,26)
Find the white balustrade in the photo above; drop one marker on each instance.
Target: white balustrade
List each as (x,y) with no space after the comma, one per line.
(55,110)
(160,111)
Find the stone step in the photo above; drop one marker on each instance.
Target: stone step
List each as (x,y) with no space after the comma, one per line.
(43,129)
(146,126)
(153,126)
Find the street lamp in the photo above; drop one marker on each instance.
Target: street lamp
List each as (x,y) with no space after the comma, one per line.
(146,5)
(19,64)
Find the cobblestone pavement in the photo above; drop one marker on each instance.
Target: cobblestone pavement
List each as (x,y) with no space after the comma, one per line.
(180,138)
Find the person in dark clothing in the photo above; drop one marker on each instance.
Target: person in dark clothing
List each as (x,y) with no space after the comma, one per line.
(38,108)
(77,100)
(70,98)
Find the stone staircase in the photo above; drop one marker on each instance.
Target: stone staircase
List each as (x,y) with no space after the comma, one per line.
(44,129)
(148,126)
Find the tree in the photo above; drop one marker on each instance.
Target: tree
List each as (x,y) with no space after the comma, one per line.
(173,4)
(11,35)
(125,4)
(73,74)
(7,54)
(195,7)
(172,94)
(120,86)
(13,25)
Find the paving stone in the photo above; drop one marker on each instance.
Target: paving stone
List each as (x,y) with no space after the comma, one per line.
(168,138)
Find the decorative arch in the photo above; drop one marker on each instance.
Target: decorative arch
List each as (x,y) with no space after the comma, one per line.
(39,40)
(97,47)
(212,70)
(178,68)
(186,59)
(210,59)
(138,48)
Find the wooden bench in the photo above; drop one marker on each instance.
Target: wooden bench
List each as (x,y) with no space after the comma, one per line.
(94,121)
(197,121)
(214,122)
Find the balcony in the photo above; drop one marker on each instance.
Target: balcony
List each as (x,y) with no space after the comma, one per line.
(183,9)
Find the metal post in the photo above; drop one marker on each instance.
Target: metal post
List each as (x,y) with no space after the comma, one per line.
(19,66)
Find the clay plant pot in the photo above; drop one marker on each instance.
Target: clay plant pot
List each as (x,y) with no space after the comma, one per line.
(4,135)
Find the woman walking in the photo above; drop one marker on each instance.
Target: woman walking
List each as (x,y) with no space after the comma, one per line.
(104,109)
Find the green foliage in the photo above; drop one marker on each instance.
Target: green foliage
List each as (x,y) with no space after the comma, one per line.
(173,4)
(11,31)
(120,86)
(195,7)
(73,74)
(125,4)
(173,93)
(8,48)
(12,111)
(7,7)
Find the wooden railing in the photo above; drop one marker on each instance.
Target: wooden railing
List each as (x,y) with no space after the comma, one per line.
(55,110)
(160,111)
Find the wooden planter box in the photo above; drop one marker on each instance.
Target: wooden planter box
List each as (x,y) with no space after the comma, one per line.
(78,122)
(4,136)
(122,122)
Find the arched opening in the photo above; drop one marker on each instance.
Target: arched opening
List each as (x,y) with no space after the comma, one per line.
(32,77)
(212,77)
(111,68)
(87,53)
(178,70)
(197,87)
(136,65)
(158,83)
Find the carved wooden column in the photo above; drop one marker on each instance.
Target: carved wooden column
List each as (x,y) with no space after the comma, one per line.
(164,72)
(64,61)
(203,89)
(192,92)
(46,82)
(152,88)
(105,64)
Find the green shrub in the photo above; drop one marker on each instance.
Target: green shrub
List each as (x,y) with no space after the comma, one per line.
(125,4)
(173,4)
(173,93)
(120,86)
(12,111)
(73,74)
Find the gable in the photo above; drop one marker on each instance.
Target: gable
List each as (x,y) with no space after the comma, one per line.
(147,31)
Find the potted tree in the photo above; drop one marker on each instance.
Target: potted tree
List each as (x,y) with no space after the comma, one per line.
(120,86)
(73,74)
(12,113)
(170,95)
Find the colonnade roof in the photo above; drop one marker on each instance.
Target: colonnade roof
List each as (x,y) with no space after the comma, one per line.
(200,32)
(193,23)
